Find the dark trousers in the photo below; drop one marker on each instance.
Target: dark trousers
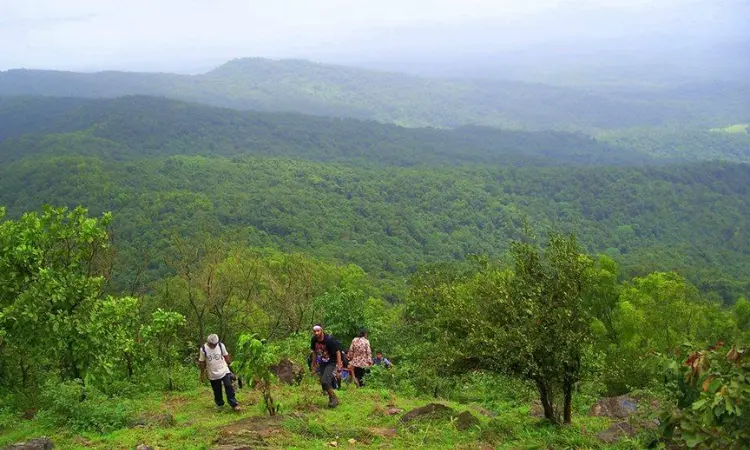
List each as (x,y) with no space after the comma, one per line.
(327,376)
(218,397)
(359,374)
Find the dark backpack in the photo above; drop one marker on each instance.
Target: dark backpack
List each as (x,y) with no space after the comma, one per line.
(344,358)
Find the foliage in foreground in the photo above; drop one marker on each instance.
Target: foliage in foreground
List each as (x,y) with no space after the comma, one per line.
(253,362)
(720,415)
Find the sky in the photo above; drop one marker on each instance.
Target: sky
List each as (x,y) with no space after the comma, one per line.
(190,35)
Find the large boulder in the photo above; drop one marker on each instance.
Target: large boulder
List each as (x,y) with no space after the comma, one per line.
(42,443)
(288,372)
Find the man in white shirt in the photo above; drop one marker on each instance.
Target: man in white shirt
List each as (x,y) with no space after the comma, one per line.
(214,361)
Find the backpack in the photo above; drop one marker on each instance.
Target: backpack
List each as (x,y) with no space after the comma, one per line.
(221,347)
(344,357)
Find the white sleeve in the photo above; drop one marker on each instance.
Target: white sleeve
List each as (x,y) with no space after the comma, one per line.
(201,355)
(224,350)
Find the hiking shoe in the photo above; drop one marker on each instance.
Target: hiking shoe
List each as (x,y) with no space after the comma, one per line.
(334,402)
(219,406)
(237,408)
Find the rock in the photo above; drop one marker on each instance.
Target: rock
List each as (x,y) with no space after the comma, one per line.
(352,441)
(614,407)
(42,443)
(144,447)
(288,372)
(333,444)
(616,432)
(393,411)
(466,420)
(429,411)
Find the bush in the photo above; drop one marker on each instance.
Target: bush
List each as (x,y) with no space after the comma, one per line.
(8,418)
(78,408)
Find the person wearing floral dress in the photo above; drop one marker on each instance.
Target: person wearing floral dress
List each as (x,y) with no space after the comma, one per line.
(360,356)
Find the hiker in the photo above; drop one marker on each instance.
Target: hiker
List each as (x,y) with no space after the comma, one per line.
(360,356)
(326,357)
(380,359)
(214,361)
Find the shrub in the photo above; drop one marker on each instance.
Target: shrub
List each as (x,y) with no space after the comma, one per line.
(80,408)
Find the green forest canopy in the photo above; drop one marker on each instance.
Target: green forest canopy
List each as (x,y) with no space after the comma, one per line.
(384,197)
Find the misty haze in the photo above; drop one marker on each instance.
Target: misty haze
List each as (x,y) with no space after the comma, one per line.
(405,224)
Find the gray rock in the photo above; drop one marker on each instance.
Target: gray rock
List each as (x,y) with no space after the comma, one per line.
(42,443)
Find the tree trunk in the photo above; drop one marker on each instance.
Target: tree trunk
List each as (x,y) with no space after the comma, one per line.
(129,364)
(545,395)
(568,393)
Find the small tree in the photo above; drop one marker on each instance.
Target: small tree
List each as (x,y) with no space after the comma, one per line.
(531,322)
(161,341)
(551,287)
(253,360)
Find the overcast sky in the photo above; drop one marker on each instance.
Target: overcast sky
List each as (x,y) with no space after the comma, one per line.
(174,34)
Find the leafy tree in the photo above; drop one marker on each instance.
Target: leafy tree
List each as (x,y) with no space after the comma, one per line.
(112,332)
(551,286)
(531,321)
(161,342)
(52,273)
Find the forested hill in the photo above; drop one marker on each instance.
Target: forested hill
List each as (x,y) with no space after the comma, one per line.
(139,126)
(385,197)
(318,89)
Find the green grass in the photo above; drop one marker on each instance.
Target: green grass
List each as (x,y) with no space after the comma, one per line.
(739,128)
(306,422)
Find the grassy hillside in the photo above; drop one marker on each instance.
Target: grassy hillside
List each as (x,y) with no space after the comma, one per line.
(305,87)
(188,420)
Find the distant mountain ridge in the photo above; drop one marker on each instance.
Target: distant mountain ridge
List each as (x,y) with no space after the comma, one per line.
(138,126)
(339,91)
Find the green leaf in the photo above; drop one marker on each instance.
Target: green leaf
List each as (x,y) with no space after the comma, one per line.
(698,404)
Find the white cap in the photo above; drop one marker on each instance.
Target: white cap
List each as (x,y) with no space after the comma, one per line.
(212,339)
